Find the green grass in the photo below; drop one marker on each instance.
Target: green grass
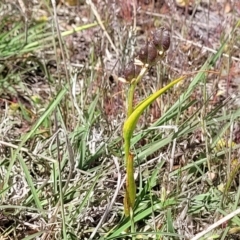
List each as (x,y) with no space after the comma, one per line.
(62,157)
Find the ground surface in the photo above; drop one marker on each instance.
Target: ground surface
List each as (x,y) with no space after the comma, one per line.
(62,108)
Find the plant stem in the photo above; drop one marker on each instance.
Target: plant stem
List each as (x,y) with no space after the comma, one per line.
(130,183)
(130,99)
(130,194)
(133,84)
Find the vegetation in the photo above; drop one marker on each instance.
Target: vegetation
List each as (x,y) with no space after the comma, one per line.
(103,137)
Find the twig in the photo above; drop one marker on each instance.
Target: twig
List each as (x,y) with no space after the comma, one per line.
(109,207)
(27,151)
(216,224)
(93,8)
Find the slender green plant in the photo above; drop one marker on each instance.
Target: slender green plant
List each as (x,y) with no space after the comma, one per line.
(149,55)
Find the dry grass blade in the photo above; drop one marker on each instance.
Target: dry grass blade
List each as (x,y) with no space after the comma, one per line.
(109,207)
(217,224)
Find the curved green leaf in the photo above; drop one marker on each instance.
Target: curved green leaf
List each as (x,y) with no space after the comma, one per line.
(131,122)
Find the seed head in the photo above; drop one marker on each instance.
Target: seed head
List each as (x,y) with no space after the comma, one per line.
(161,39)
(131,71)
(143,53)
(152,53)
